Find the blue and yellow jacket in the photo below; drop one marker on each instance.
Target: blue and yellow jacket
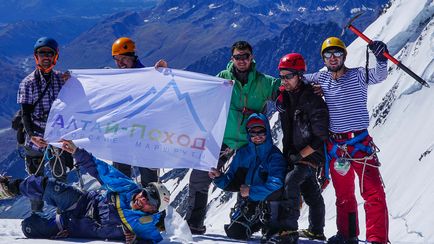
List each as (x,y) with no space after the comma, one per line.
(121,189)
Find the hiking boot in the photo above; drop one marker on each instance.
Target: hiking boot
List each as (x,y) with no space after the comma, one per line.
(5,191)
(267,233)
(312,235)
(197,230)
(340,239)
(284,237)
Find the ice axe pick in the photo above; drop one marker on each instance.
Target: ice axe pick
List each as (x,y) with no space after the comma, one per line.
(386,54)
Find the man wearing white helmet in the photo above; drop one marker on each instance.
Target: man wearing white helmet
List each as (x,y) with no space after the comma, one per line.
(125,211)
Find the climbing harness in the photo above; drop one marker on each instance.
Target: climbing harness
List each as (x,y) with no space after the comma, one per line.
(343,162)
(240,215)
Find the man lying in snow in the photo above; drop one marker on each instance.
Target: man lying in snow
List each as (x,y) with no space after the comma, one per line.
(125,211)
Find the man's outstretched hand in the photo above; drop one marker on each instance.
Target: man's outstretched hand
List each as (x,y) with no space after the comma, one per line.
(68,146)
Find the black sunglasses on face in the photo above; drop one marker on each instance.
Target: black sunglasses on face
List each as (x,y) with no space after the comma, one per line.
(49,54)
(337,54)
(241,56)
(257,133)
(288,76)
(122,59)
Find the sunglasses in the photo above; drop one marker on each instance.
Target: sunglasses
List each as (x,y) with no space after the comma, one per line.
(123,59)
(241,56)
(151,195)
(287,76)
(337,54)
(49,54)
(257,133)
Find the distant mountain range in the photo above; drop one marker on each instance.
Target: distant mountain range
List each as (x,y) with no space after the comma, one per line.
(183,32)
(190,34)
(40,10)
(399,116)
(297,37)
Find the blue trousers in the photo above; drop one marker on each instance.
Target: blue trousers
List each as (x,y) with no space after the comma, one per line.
(55,193)
(79,211)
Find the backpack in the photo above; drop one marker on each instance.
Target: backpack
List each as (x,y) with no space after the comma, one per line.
(17,120)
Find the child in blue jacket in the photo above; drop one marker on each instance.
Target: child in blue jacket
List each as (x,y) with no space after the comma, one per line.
(257,172)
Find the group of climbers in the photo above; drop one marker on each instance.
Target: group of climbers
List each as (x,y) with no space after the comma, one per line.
(319,136)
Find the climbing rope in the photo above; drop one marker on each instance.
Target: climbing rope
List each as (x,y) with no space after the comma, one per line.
(56,154)
(40,162)
(364,161)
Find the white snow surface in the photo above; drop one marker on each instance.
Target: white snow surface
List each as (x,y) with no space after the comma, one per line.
(406,138)
(214,6)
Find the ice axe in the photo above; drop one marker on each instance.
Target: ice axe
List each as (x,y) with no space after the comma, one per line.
(386,54)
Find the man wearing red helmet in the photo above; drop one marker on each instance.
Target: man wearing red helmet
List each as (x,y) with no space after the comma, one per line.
(36,94)
(304,119)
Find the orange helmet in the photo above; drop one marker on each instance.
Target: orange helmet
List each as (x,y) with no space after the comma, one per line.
(293,61)
(123,45)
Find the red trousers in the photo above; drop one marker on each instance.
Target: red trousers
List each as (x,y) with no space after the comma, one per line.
(377,222)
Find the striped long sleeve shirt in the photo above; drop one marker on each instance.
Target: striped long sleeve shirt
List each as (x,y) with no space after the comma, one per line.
(347,96)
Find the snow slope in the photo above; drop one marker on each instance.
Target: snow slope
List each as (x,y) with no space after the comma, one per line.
(401,125)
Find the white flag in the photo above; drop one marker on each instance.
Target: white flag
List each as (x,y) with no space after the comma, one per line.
(162,118)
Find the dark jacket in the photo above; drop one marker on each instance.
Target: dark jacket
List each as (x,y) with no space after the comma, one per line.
(262,167)
(305,120)
(138,64)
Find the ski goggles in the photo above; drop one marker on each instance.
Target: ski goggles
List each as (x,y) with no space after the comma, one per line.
(241,56)
(329,54)
(287,76)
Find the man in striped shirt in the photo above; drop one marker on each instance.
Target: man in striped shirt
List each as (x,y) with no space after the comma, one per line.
(350,147)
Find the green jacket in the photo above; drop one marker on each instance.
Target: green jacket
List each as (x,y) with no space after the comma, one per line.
(249,98)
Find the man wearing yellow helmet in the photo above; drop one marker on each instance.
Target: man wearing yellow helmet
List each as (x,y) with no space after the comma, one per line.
(350,146)
(124,55)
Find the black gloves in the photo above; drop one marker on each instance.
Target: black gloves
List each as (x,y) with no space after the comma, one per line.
(378,48)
